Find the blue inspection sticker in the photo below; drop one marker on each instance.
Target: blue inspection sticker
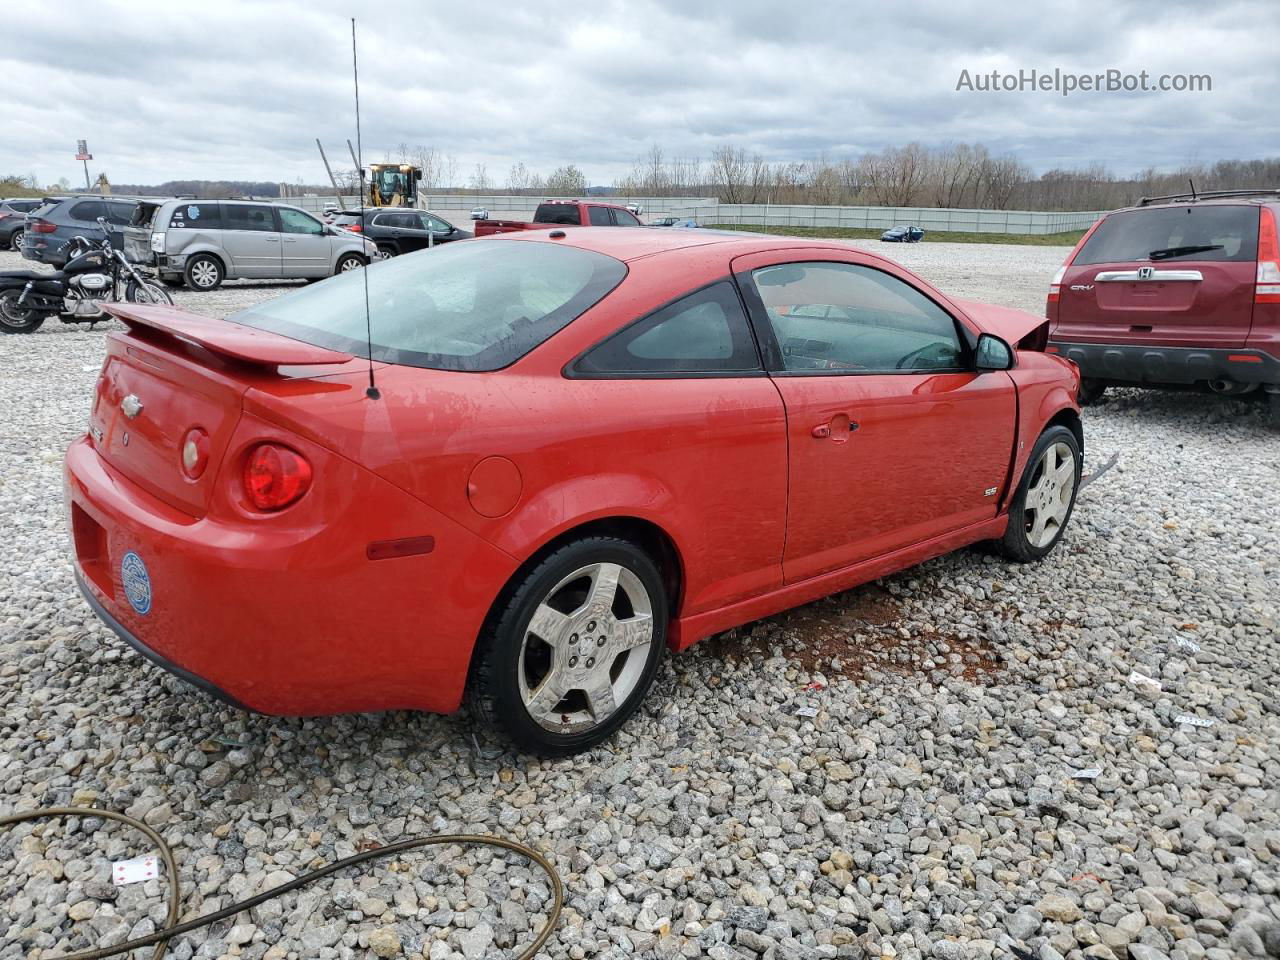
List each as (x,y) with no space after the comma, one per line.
(137,582)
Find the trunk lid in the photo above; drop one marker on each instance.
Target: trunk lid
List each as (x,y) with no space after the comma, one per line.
(1131,284)
(173,372)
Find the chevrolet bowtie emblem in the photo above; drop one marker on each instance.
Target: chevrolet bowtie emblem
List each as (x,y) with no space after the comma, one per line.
(131,406)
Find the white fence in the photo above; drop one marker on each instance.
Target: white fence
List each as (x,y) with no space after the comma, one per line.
(707,210)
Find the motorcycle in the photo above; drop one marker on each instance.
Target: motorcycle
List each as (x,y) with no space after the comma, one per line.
(94,273)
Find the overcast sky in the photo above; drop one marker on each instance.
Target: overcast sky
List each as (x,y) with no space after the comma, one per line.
(239,89)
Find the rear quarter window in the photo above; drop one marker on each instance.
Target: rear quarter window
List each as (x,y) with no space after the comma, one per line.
(1230,231)
(87,210)
(564,213)
(205,215)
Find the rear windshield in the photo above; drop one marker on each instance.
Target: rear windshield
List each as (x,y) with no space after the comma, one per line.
(464,306)
(566,213)
(343,219)
(1219,233)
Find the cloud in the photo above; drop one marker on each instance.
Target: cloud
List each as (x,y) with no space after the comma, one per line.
(240,89)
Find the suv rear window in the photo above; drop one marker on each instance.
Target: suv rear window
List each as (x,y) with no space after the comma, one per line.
(566,213)
(468,306)
(344,219)
(1211,232)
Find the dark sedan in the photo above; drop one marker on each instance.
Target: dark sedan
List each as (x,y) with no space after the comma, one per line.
(12,213)
(902,234)
(396,230)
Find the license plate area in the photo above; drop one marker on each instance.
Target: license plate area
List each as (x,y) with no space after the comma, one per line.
(90,539)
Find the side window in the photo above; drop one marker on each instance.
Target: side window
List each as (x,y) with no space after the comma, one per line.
(204,214)
(120,213)
(242,216)
(839,316)
(434,224)
(599,216)
(88,210)
(295,221)
(623,218)
(705,332)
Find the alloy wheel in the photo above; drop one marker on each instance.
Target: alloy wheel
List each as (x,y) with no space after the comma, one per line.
(204,274)
(585,648)
(1048,499)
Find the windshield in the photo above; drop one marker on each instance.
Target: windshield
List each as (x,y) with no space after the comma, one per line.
(476,305)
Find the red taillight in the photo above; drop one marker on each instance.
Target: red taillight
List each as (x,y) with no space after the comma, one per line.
(195,453)
(1055,285)
(43,226)
(355,228)
(1268,288)
(275,476)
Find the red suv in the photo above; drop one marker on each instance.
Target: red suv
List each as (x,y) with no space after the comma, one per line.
(1177,291)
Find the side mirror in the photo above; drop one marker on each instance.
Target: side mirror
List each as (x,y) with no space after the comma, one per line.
(993,353)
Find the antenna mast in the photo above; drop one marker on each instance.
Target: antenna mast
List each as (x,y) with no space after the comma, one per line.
(372,391)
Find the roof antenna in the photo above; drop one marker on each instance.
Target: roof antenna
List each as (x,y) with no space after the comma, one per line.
(1193,188)
(372,391)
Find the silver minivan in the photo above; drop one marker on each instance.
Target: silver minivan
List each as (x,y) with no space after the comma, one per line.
(203,242)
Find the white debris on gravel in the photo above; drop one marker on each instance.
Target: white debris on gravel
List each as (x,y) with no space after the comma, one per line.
(935,805)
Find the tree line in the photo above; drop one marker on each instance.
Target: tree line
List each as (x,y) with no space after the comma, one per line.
(958,175)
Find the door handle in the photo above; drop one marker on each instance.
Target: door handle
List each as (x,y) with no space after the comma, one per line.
(290,239)
(837,429)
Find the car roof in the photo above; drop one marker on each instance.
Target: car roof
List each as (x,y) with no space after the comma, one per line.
(1254,201)
(626,244)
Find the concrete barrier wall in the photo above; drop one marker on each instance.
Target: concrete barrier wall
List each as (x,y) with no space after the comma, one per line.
(707,210)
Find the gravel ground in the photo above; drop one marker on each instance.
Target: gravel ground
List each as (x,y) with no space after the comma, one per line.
(930,806)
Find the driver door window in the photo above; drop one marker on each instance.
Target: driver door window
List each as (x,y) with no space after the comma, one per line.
(836,317)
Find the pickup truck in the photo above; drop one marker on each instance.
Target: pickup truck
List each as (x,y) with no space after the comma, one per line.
(563,213)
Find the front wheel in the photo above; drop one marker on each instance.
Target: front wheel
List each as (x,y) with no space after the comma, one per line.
(144,292)
(386,251)
(1042,506)
(573,647)
(348,262)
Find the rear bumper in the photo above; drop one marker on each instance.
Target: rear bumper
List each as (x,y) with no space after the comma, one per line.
(291,617)
(1130,363)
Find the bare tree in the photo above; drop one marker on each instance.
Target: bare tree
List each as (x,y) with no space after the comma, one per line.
(480,179)
(567,181)
(518,178)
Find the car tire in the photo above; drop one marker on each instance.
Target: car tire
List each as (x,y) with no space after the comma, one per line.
(15,241)
(386,250)
(1046,497)
(1091,391)
(347,262)
(203,272)
(538,675)
(15,319)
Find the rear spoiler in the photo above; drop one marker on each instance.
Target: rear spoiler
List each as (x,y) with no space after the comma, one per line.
(257,347)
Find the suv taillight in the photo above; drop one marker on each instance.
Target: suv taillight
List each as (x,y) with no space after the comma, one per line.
(1055,285)
(1268,288)
(275,476)
(43,226)
(354,228)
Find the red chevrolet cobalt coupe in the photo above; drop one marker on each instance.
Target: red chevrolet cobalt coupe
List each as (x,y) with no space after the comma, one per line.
(585,446)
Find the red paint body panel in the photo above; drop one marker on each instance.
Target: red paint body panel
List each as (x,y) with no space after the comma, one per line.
(313,610)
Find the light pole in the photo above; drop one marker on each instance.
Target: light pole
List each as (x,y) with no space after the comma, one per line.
(83,154)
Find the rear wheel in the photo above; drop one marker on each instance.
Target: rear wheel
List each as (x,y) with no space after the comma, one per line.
(15,240)
(573,648)
(348,262)
(203,272)
(1091,391)
(386,251)
(15,318)
(1042,506)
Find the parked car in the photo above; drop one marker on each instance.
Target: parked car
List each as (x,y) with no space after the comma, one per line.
(1175,292)
(902,234)
(52,225)
(687,222)
(479,213)
(563,213)
(397,230)
(12,214)
(772,420)
(203,242)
